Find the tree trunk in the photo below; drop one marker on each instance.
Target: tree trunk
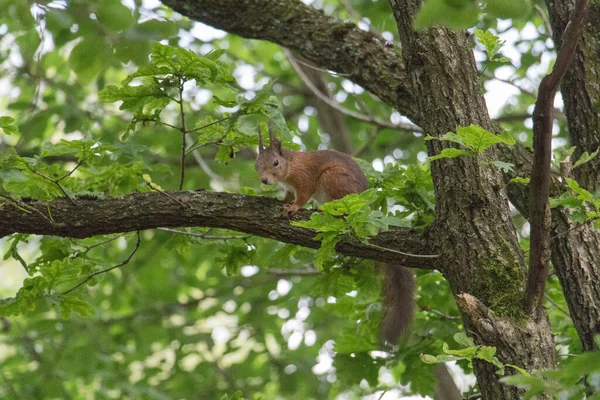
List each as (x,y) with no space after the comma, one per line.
(576,247)
(483,262)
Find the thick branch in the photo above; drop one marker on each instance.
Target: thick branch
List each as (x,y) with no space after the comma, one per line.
(254,215)
(329,42)
(539,258)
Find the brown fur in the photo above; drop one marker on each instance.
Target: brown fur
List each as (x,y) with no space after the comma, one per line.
(329,175)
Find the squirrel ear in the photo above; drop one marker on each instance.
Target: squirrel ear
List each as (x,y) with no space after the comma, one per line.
(261,147)
(275,143)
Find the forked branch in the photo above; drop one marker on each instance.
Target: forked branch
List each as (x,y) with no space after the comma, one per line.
(539,258)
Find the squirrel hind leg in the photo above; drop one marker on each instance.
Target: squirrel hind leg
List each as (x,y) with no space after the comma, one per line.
(339,182)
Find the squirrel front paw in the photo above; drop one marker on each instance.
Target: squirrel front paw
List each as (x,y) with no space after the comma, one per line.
(289,210)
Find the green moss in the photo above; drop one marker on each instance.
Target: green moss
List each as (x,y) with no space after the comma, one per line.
(501,288)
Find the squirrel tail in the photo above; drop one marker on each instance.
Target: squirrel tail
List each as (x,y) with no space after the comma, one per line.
(398,302)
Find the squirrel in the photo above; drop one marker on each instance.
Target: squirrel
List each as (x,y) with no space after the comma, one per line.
(326,175)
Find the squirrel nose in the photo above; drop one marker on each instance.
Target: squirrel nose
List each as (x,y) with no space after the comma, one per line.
(265,180)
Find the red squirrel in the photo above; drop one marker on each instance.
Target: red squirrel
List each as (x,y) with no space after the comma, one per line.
(327,175)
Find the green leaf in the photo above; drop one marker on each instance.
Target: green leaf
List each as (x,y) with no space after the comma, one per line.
(468,352)
(508,8)
(335,283)
(462,339)
(429,359)
(492,44)
(439,12)
(89,57)
(505,166)
(353,368)
(450,152)
(521,180)
(585,158)
(113,15)
(480,139)
(7,124)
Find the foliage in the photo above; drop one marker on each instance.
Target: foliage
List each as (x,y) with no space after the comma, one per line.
(469,353)
(584,205)
(462,14)
(476,140)
(577,377)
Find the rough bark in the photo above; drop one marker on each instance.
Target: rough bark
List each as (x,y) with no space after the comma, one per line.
(479,249)
(255,215)
(329,42)
(576,249)
(581,88)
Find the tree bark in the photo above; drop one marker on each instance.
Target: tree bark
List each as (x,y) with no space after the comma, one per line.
(482,258)
(255,215)
(576,248)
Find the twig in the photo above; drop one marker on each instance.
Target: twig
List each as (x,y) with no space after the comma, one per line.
(539,258)
(544,17)
(183,133)
(296,272)
(62,189)
(92,275)
(159,122)
(314,67)
(361,117)
(205,235)
(18,257)
(27,208)
(558,307)
(88,248)
(207,125)
(151,186)
(437,312)
(403,253)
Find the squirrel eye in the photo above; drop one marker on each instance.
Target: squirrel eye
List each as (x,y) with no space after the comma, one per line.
(276,163)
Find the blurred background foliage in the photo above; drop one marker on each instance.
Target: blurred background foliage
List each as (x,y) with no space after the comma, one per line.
(198,313)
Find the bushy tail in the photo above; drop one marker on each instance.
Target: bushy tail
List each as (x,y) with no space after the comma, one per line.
(398,302)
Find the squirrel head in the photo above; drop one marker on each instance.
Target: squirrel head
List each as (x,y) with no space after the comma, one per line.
(272,164)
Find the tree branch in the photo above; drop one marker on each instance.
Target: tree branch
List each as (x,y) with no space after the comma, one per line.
(329,42)
(539,258)
(119,265)
(260,216)
(333,104)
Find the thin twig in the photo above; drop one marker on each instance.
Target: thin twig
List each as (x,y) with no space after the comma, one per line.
(293,272)
(159,122)
(403,253)
(27,208)
(539,258)
(79,164)
(207,125)
(88,248)
(151,186)
(437,312)
(62,189)
(361,117)
(544,17)
(204,166)
(205,235)
(558,307)
(183,133)
(92,275)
